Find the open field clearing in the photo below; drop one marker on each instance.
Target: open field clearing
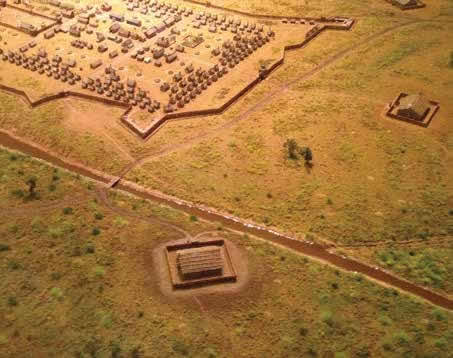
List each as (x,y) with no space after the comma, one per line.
(78,281)
(373,178)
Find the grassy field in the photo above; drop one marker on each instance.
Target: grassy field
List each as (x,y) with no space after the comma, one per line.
(78,282)
(373,179)
(427,264)
(52,126)
(317,8)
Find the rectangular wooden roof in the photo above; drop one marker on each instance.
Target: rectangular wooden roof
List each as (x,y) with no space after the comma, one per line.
(199,260)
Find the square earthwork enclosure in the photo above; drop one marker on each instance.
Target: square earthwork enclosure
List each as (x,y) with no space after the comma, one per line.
(199,263)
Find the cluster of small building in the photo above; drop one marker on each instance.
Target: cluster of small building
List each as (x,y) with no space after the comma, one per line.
(215,22)
(159,9)
(186,87)
(243,46)
(40,63)
(127,92)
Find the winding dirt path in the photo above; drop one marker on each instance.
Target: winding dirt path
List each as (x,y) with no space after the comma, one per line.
(102,195)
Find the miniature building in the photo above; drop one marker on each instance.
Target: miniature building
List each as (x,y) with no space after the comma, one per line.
(150,32)
(199,262)
(414,109)
(124,33)
(96,64)
(171,57)
(405,4)
(413,106)
(106,6)
(134,22)
(117,17)
(102,48)
(114,28)
(163,42)
(27,27)
(69,14)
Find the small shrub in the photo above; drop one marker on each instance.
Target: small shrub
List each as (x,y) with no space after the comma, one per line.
(327,317)
(340,355)
(269,195)
(13,265)
(211,353)
(99,271)
(441,343)
(106,320)
(67,211)
(115,349)
(55,276)
(56,293)
(193,218)
(329,201)
(303,331)
(385,320)
(387,346)
(52,187)
(181,348)
(136,352)
(12,301)
(18,193)
(98,216)
(401,338)
(439,314)
(13,157)
(4,247)
(96,231)
(140,314)
(89,248)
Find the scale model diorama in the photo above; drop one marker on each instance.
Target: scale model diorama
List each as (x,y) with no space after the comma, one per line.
(191,178)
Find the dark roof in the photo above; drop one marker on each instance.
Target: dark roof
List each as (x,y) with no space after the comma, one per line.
(199,260)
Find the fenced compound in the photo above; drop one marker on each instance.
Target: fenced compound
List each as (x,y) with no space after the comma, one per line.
(199,263)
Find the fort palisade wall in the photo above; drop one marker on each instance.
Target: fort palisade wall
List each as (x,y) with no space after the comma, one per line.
(30,12)
(249,14)
(64,94)
(144,133)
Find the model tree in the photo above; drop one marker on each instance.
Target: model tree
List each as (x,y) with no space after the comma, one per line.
(292,148)
(31,182)
(307,154)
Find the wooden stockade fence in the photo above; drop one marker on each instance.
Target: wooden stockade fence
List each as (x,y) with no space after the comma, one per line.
(31,12)
(63,94)
(264,16)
